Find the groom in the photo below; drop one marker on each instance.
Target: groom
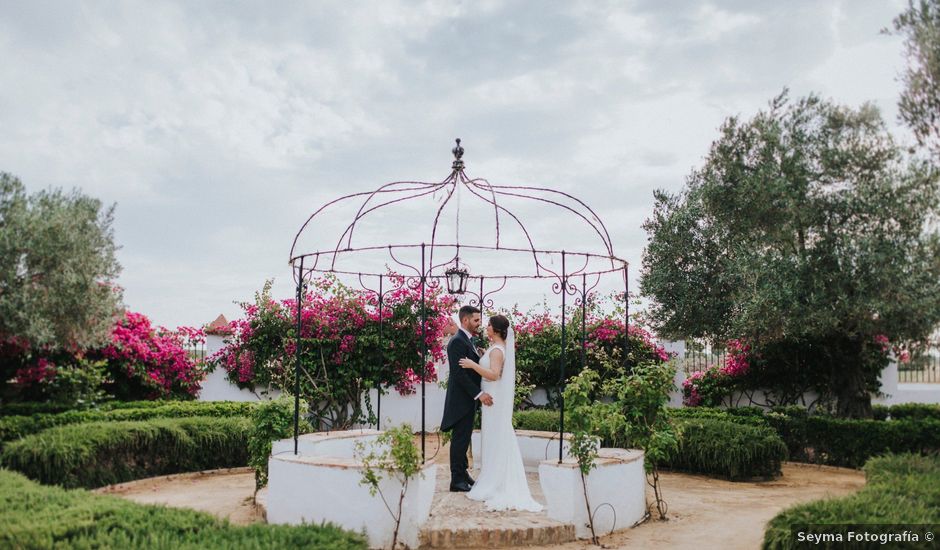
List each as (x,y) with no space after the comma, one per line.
(463,391)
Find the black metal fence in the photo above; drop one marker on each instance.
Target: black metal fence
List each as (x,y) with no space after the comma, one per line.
(699,360)
(923,368)
(196,351)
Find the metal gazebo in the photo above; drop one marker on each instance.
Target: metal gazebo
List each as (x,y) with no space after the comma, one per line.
(433,260)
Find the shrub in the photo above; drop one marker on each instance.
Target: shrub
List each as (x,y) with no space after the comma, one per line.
(26,408)
(33,516)
(14,427)
(101,453)
(269,421)
(727,449)
(542,420)
(340,344)
(901,490)
(748,416)
(141,361)
(538,343)
(76,383)
(844,442)
(906,410)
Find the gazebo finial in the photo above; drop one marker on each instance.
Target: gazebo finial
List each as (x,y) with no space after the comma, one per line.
(458,155)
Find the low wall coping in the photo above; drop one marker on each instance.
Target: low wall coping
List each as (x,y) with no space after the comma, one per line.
(537,434)
(341,434)
(329,461)
(605,457)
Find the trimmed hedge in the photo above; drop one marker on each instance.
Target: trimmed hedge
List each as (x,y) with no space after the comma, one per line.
(34,516)
(542,420)
(914,411)
(101,453)
(823,439)
(748,416)
(901,490)
(718,444)
(28,408)
(14,427)
(727,449)
(850,443)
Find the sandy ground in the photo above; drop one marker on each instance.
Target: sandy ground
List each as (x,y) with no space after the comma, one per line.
(224,493)
(707,513)
(704,513)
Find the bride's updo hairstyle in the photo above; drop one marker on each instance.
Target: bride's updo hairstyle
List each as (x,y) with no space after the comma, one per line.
(500,325)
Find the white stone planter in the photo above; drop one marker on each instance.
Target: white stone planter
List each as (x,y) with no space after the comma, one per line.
(321,483)
(616,489)
(534,446)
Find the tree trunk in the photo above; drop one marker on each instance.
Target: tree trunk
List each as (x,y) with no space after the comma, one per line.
(849,383)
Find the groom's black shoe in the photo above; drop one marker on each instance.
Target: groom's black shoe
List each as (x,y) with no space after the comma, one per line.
(459,487)
(470,481)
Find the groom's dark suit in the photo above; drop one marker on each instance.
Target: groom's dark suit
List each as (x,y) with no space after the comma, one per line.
(460,404)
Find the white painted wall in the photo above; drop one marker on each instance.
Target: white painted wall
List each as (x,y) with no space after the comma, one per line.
(217,386)
(535,447)
(616,489)
(317,485)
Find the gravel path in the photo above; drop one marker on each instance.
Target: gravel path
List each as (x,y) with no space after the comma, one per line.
(704,513)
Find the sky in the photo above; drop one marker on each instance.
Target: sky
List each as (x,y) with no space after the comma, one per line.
(218,128)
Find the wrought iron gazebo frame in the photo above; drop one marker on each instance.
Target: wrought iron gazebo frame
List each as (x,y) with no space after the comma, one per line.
(427,276)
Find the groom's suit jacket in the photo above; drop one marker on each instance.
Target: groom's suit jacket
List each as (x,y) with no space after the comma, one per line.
(463,385)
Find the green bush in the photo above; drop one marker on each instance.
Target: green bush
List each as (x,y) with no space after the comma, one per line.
(727,449)
(845,442)
(34,516)
(14,427)
(747,416)
(914,411)
(101,453)
(272,420)
(901,490)
(824,439)
(541,420)
(26,408)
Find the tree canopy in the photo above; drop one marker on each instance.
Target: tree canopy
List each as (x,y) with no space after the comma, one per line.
(57,268)
(806,223)
(919,105)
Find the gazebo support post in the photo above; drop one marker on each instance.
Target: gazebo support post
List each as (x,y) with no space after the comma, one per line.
(626,316)
(300,297)
(424,346)
(378,387)
(561,381)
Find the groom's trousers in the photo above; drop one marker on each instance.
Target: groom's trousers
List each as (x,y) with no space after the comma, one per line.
(459,443)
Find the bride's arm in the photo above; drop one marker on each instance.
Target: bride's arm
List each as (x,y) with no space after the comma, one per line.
(496,365)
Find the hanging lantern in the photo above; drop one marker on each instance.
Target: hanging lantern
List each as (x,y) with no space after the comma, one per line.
(456,277)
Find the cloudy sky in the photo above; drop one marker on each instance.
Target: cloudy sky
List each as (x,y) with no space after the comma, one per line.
(218,127)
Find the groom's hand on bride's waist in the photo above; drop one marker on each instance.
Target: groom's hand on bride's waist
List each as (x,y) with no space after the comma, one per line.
(486,399)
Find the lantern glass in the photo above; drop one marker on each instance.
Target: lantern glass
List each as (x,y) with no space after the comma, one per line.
(456,280)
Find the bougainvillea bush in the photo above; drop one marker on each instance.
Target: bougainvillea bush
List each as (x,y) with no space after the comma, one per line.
(147,362)
(709,387)
(784,373)
(538,344)
(140,361)
(342,354)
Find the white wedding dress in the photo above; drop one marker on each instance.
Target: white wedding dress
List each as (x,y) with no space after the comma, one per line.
(502,483)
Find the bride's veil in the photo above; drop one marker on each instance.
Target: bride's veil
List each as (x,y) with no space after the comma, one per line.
(508,377)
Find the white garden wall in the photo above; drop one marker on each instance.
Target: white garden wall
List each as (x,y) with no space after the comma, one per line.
(322,483)
(616,490)
(217,386)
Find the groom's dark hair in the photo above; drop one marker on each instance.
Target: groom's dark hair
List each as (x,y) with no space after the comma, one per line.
(467,311)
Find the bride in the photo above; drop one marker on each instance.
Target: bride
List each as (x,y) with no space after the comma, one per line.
(502,483)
